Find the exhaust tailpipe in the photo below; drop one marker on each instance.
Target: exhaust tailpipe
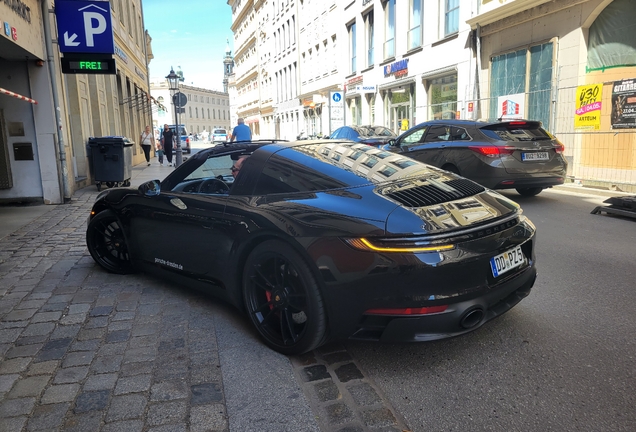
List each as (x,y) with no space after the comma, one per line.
(472,318)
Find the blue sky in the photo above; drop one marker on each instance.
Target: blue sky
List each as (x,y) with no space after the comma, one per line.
(191,34)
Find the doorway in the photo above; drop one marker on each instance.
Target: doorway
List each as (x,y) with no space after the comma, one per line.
(400,117)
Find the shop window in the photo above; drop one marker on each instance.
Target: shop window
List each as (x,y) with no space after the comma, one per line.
(442,94)
(508,74)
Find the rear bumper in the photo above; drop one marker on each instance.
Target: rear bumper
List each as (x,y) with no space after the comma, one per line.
(453,322)
(530,182)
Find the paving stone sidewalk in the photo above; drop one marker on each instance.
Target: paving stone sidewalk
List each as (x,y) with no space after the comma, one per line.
(84,350)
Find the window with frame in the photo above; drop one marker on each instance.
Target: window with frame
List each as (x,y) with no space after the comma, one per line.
(389,29)
(451,17)
(352,46)
(442,93)
(415,31)
(370,30)
(508,74)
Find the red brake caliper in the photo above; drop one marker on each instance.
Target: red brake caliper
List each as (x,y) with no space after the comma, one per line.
(268,295)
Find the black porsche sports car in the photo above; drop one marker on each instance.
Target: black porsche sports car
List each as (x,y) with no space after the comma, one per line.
(320,240)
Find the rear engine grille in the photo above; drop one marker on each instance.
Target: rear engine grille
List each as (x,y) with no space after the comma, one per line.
(421,196)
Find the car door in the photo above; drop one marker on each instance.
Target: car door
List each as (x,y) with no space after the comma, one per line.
(430,147)
(182,229)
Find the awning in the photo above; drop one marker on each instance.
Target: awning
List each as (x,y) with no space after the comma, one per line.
(19,96)
(439,72)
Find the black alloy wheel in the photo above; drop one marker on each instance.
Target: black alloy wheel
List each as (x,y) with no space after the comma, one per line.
(529,192)
(107,244)
(283,300)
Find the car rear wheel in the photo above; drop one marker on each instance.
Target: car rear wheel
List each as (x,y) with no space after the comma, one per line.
(107,244)
(282,299)
(529,192)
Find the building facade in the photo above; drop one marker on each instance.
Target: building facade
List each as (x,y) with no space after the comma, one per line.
(575,67)
(399,63)
(204,111)
(46,117)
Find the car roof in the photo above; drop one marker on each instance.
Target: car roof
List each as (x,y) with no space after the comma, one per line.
(475,123)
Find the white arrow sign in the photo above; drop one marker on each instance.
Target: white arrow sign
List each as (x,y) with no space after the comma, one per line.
(70,41)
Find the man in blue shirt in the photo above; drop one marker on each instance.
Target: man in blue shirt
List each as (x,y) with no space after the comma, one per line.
(241,132)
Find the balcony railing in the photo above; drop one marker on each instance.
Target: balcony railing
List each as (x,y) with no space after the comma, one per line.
(414,38)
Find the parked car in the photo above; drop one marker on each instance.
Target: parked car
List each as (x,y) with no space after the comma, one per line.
(185,138)
(371,135)
(517,154)
(323,240)
(220,135)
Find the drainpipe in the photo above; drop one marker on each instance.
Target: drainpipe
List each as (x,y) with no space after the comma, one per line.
(50,60)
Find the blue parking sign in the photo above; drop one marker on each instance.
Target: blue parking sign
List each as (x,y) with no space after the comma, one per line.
(84,27)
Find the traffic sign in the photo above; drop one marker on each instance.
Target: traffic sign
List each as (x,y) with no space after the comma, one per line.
(181,101)
(336,96)
(84,26)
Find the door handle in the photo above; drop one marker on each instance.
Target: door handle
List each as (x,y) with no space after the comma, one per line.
(178,203)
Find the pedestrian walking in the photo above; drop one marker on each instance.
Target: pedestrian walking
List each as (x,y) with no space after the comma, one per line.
(168,142)
(147,141)
(241,131)
(159,150)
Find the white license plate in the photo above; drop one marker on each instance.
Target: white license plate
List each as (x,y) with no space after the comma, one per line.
(507,261)
(535,156)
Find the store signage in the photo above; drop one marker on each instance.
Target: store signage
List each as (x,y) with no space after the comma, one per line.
(121,54)
(366,89)
(88,64)
(398,68)
(7,29)
(355,80)
(588,106)
(84,26)
(20,9)
(511,106)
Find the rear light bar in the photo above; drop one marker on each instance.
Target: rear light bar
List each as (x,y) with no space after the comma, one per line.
(491,150)
(408,311)
(364,244)
(559,147)
(518,123)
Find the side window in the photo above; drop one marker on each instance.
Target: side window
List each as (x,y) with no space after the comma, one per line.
(282,176)
(438,133)
(459,134)
(414,137)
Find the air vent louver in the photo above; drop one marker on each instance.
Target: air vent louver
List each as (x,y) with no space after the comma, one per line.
(427,195)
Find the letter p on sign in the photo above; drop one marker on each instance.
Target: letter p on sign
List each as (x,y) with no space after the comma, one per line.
(90,30)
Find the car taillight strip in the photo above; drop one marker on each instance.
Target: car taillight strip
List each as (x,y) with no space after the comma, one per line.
(408,311)
(366,245)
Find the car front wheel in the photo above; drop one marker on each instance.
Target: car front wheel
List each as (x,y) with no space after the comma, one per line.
(107,244)
(283,300)
(529,192)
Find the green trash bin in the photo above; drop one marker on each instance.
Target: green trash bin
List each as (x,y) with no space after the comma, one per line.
(111,160)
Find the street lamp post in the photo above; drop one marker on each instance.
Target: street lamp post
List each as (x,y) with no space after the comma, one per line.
(173,82)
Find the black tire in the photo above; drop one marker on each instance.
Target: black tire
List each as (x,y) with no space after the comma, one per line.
(107,243)
(283,300)
(529,192)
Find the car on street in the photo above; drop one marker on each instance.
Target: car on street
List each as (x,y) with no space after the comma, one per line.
(220,135)
(368,134)
(322,240)
(515,154)
(185,138)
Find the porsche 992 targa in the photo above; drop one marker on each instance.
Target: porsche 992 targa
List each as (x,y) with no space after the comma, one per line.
(324,240)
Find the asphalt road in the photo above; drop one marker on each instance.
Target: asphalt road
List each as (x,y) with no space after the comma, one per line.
(564,359)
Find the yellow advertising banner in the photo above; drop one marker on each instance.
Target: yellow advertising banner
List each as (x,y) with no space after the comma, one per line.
(588,106)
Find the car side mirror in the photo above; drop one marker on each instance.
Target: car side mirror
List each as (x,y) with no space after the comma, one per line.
(150,188)
(392,142)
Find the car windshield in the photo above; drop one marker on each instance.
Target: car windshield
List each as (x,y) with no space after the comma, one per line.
(212,167)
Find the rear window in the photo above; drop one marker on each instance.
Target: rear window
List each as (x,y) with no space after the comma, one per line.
(516,131)
(220,131)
